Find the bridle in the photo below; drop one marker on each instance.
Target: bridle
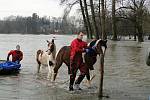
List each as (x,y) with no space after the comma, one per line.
(50,49)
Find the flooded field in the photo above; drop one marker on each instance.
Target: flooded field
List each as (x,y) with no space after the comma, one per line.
(126,74)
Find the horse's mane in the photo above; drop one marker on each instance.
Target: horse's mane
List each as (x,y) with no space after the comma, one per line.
(92,43)
(95,43)
(54,51)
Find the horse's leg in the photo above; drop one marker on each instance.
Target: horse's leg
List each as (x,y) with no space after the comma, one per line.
(49,73)
(52,73)
(56,68)
(38,61)
(68,65)
(88,82)
(89,78)
(38,68)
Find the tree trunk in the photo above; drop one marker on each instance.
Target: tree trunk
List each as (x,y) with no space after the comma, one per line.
(140,33)
(103,20)
(140,24)
(84,18)
(135,33)
(135,37)
(135,21)
(100,19)
(93,18)
(88,20)
(114,20)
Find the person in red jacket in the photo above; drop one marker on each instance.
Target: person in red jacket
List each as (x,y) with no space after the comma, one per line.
(76,61)
(17,55)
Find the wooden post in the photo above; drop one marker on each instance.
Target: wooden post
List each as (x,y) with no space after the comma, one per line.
(101,75)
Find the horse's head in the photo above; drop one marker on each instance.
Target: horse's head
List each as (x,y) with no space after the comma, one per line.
(51,46)
(100,46)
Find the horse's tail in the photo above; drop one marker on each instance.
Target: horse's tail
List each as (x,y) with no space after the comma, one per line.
(37,56)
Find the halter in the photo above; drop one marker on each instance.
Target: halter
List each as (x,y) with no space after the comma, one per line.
(49,50)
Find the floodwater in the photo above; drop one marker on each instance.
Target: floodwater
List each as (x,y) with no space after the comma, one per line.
(126,75)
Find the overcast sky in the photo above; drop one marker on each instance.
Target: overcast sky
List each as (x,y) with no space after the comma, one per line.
(27,7)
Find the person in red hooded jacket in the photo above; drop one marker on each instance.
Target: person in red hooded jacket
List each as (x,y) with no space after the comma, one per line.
(17,55)
(76,61)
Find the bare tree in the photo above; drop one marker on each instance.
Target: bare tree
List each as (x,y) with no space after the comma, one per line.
(103,19)
(99,12)
(135,10)
(84,17)
(88,19)
(93,18)
(114,20)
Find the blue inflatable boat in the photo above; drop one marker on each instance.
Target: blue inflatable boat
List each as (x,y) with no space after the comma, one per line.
(7,67)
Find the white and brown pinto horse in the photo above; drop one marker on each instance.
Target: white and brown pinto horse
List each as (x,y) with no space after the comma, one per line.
(47,58)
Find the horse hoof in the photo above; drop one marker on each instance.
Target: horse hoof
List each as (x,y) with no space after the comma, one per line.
(52,82)
(88,84)
(48,79)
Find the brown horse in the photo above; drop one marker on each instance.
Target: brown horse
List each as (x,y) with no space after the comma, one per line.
(63,55)
(47,58)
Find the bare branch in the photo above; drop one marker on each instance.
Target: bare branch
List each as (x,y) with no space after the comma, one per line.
(130,7)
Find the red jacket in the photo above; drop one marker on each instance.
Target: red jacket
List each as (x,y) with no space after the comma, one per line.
(16,55)
(77,46)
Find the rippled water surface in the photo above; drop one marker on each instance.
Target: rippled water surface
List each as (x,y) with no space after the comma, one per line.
(126,77)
